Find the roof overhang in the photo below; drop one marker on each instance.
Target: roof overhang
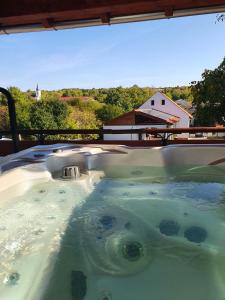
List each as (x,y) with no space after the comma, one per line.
(35,15)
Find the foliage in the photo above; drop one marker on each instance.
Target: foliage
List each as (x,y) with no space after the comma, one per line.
(49,115)
(220,17)
(18,95)
(128,98)
(177,93)
(108,112)
(4,117)
(83,120)
(24,115)
(209,97)
(90,105)
(86,108)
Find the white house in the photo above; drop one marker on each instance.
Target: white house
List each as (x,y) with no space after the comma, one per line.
(163,103)
(158,112)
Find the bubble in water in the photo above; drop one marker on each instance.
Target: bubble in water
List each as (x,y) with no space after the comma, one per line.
(38,231)
(151,193)
(37,200)
(62,192)
(137,172)
(51,217)
(42,191)
(126,194)
(20,215)
(62,200)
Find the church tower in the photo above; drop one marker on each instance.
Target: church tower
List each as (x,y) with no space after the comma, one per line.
(38,94)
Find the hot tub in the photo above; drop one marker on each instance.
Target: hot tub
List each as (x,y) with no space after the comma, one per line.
(113,222)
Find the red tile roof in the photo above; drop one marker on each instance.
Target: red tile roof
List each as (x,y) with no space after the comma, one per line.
(131,118)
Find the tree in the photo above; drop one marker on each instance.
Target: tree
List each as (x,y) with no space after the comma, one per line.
(49,115)
(109,112)
(18,95)
(90,105)
(24,115)
(176,93)
(209,97)
(83,120)
(4,118)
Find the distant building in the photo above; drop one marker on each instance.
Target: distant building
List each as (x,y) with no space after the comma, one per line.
(187,106)
(158,112)
(163,103)
(37,94)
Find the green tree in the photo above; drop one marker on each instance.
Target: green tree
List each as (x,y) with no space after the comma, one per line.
(4,118)
(209,97)
(84,119)
(109,112)
(90,105)
(18,95)
(24,114)
(23,102)
(49,115)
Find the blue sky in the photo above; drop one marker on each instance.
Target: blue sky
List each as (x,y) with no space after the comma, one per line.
(155,53)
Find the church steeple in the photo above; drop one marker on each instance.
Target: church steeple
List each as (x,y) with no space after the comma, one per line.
(38,94)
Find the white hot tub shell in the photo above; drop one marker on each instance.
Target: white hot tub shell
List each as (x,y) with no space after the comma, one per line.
(109,228)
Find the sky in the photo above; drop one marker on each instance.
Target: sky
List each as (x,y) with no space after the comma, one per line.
(160,53)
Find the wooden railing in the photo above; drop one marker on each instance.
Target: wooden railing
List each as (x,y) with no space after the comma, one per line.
(163,133)
(152,131)
(159,137)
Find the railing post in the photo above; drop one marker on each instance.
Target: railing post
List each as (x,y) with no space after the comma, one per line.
(101,135)
(41,139)
(140,136)
(12,117)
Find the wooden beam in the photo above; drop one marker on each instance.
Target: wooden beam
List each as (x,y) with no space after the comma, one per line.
(152,131)
(169,11)
(106,18)
(15,12)
(48,23)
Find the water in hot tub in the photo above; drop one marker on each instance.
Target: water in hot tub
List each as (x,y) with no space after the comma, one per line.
(134,237)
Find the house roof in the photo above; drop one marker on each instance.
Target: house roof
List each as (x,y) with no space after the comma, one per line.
(140,117)
(34,15)
(160,114)
(184,110)
(184,103)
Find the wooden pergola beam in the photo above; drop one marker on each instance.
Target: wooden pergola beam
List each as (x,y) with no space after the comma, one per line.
(33,12)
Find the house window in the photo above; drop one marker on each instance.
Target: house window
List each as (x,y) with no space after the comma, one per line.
(163,102)
(152,102)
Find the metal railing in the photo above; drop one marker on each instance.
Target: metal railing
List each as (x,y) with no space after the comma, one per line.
(12,117)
